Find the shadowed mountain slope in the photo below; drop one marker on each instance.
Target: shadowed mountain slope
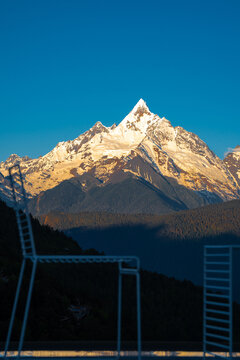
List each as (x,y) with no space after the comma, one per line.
(129,195)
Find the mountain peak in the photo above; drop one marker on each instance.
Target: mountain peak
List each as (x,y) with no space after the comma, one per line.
(232,151)
(13,159)
(98,125)
(141,104)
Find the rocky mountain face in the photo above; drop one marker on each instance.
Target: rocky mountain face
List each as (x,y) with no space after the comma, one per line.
(142,165)
(232,162)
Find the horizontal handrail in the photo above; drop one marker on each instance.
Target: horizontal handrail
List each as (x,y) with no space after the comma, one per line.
(224,321)
(86,259)
(218,295)
(217,344)
(217,311)
(217,255)
(217,263)
(217,328)
(217,271)
(222,337)
(222,246)
(217,303)
(217,287)
(216,279)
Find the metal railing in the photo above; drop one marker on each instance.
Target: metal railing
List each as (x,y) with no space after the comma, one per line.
(29,253)
(217,301)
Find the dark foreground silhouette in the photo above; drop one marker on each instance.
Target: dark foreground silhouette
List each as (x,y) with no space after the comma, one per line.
(171,309)
(174,257)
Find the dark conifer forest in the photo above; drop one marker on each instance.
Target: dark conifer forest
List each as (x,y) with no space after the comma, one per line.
(169,244)
(203,221)
(171,309)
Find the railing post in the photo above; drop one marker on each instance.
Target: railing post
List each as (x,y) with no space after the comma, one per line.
(14,307)
(138,315)
(204,302)
(119,309)
(27,307)
(217,301)
(230,301)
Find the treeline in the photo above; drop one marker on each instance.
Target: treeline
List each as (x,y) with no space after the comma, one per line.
(205,221)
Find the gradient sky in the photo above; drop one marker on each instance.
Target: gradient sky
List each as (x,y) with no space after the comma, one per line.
(66,64)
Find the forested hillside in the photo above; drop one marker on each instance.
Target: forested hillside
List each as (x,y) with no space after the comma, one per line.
(170,244)
(171,309)
(204,221)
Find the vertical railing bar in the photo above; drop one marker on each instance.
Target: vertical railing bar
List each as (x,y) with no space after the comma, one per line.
(138,315)
(27,212)
(20,232)
(228,296)
(204,302)
(24,209)
(27,308)
(119,310)
(12,185)
(14,307)
(231,304)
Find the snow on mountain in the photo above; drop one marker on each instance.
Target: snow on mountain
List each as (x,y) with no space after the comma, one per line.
(232,162)
(183,155)
(105,152)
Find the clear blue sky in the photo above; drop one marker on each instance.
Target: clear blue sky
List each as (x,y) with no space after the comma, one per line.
(66,64)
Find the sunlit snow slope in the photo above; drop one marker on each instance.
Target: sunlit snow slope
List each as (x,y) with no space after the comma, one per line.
(143,146)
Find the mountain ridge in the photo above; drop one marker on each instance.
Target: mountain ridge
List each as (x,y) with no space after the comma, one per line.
(156,148)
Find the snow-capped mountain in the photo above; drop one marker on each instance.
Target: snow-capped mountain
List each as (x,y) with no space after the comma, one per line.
(143,147)
(232,162)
